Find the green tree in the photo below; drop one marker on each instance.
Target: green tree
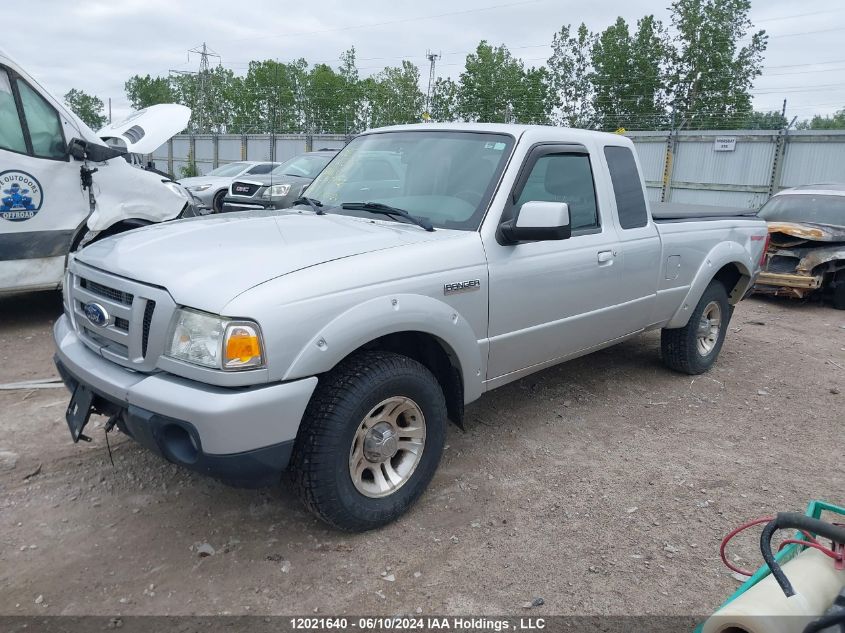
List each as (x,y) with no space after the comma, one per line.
(444,100)
(711,74)
(530,97)
(494,87)
(322,93)
(210,95)
(772,120)
(145,91)
(828,122)
(87,107)
(393,96)
(351,97)
(628,76)
(571,90)
(267,98)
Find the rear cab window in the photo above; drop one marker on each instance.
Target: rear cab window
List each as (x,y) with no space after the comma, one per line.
(627,188)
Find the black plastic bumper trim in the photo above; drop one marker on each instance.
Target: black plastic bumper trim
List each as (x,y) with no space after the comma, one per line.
(168,438)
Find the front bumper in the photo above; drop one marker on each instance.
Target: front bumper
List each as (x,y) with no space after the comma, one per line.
(244,436)
(231,205)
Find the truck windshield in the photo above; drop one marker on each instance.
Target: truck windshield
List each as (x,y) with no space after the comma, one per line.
(805,207)
(446,178)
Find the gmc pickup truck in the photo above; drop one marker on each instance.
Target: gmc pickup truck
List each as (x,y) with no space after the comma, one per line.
(335,339)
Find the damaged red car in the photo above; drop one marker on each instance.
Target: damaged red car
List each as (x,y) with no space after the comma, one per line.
(806,253)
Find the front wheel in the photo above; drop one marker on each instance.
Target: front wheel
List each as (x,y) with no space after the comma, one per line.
(217,201)
(694,348)
(838,297)
(370,440)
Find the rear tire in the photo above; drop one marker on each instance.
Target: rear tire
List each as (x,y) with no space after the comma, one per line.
(694,348)
(345,466)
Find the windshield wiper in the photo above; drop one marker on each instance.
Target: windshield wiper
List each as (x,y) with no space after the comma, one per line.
(386,209)
(311,202)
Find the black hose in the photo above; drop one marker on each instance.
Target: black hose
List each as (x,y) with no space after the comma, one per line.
(786,520)
(826,621)
(766,550)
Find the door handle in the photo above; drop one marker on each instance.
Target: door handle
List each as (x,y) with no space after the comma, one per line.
(605,256)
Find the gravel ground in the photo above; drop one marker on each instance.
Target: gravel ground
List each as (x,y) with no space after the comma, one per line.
(603,486)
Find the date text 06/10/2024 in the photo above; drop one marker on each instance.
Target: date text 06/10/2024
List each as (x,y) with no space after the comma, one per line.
(418,624)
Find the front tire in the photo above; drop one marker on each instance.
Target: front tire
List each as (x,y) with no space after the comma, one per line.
(838,295)
(694,348)
(370,441)
(217,201)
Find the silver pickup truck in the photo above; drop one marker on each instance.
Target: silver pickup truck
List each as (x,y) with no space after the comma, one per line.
(335,339)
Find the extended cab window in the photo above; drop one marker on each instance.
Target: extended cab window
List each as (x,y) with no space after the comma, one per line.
(564,178)
(45,129)
(630,202)
(11,132)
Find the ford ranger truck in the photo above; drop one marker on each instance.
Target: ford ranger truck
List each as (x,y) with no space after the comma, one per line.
(334,340)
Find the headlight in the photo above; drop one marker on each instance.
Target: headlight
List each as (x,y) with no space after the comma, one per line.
(198,187)
(276,191)
(177,189)
(216,342)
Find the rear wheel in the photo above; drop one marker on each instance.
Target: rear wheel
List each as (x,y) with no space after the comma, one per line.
(370,440)
(694,348)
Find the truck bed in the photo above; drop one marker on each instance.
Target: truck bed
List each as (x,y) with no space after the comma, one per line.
(681,212)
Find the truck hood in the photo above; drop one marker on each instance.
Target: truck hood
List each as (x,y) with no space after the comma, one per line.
(206,262)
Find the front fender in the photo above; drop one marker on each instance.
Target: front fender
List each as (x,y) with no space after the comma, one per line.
(123,191)
(721,255)
(388,315)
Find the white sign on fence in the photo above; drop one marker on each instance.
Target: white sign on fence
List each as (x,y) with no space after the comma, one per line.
(724,143)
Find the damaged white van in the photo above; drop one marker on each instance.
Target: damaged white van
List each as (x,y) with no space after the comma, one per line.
(62,185)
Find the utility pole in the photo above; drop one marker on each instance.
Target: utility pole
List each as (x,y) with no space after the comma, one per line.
(432,58)
(202,97)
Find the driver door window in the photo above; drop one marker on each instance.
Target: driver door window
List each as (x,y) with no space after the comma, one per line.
(564,178)
(11,132)
(45,129)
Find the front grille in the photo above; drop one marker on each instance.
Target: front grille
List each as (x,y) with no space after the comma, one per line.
(246,189)
(782,264)
(145,328)
(109,293)
(136,316)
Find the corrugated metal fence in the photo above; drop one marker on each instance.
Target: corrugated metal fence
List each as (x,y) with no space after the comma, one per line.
(737,168)
(732,168)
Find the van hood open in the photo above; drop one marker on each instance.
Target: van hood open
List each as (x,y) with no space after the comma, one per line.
(146,130)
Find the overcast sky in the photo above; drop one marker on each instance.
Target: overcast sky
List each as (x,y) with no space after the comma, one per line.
(95,45)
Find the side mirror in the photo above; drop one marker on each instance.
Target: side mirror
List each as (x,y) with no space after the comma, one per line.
(76,148)
(81,149)
(538,222)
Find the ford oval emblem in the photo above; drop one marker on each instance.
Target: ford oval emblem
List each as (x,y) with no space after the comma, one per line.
(96,313)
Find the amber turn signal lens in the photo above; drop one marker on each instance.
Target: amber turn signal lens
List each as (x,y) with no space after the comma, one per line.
(243,347)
